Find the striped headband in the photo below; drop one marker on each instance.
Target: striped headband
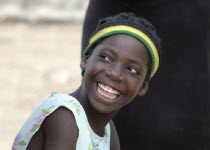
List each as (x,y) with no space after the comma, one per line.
(125,29)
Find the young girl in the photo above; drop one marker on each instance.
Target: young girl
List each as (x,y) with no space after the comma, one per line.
(121,58)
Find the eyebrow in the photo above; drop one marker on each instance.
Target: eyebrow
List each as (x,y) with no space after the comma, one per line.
(111,51)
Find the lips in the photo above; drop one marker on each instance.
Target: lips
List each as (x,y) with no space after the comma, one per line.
(107,91)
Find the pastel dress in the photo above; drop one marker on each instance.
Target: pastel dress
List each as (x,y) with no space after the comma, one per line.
(87,139)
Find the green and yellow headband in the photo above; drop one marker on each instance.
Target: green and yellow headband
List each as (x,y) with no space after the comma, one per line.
(124,29)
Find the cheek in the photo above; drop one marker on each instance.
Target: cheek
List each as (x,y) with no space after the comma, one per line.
(92,71)
(134,86)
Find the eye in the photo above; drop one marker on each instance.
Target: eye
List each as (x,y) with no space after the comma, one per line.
(105,57)
(132,69)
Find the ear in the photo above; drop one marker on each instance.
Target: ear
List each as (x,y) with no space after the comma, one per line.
(143,89)
(84,62)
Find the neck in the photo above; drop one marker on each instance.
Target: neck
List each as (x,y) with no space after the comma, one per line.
(97,120)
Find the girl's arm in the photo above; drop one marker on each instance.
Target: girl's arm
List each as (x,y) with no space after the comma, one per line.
(59,131)
(114,143)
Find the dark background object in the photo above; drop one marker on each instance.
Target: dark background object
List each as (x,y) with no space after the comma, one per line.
(175,113)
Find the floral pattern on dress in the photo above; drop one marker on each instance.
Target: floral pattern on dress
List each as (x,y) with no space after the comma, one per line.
(106,137)
(90,147)
(18,142)
(40,118)
(75,105)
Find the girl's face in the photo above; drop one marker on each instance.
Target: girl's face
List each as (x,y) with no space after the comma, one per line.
(115,72)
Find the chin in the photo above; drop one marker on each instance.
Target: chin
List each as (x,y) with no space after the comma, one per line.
(100,108)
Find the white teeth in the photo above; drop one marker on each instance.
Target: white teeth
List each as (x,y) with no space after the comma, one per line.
(106,96)
(108,89)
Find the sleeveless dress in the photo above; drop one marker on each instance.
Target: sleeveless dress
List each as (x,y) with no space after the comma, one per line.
(87,139)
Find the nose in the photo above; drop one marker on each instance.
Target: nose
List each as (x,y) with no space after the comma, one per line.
(115,72)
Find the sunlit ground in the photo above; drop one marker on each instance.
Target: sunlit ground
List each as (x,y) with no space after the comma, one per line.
(35,60)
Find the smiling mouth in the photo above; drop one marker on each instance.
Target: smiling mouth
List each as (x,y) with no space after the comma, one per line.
(107,91)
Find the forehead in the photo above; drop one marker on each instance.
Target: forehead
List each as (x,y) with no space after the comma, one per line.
(126,46)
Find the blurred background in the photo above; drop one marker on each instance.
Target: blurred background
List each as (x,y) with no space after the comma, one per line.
(40,42)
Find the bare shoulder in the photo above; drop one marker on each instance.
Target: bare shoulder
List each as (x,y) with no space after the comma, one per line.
(59,130)
(114,143)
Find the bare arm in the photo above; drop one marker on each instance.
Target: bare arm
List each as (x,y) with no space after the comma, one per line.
(114,143)
(59,132)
